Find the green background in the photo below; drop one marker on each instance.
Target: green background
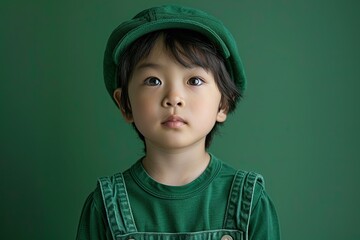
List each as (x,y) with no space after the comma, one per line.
(298,124)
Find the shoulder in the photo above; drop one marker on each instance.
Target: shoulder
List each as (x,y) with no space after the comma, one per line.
(259,192)
(255,206)
(264,221)
(93,220)
(252,184)
(242,175)
(94,202)
(94,206)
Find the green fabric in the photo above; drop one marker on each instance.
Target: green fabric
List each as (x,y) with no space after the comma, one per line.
(199,206)
(167,17)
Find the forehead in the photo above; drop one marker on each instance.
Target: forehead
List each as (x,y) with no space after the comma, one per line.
(157,50)
(162,56)
(186,51)
(161,61)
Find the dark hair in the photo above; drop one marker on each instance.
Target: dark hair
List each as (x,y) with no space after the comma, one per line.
(188,48)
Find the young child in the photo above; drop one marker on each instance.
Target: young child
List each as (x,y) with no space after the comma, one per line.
(175,74)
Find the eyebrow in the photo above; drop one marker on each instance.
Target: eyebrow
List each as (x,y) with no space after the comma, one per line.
(145,65)
(148,65)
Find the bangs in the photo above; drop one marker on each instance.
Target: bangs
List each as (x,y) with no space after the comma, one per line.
(189,48)
(192,49)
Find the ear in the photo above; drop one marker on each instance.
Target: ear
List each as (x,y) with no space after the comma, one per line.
(222,114)
(117,97)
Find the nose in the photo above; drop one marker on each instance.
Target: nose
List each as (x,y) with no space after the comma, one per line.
(173,99)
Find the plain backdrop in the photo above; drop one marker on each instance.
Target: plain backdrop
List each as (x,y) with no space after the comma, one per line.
(298,124)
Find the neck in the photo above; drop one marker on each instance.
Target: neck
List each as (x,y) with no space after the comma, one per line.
(175,167)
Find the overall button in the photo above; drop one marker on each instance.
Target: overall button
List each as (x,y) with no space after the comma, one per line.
(226,237)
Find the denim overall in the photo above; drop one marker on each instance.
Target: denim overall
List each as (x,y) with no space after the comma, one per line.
(236,222)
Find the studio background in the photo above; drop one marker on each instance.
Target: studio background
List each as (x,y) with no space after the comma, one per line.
(298,124)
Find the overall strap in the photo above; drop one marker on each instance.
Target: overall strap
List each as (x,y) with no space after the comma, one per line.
(117,205)
(240,201)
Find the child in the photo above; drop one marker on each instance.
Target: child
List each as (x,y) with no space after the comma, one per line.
(175,74)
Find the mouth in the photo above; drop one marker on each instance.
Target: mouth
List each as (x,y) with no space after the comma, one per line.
(174,122)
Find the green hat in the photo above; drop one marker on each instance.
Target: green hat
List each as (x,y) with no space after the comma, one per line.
(166,17)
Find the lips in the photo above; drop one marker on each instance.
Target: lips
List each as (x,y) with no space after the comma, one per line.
(174,122)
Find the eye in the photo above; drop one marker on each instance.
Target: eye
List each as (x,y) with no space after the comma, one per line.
(152,81)
(195,81)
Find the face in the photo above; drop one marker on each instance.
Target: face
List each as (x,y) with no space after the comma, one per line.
(172,106)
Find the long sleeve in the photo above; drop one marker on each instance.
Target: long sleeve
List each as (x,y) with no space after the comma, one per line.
(93,224)
(264,223)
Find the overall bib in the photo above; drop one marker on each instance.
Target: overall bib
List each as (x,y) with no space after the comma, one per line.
(235,226)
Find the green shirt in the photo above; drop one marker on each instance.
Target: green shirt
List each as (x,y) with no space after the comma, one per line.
(198,206)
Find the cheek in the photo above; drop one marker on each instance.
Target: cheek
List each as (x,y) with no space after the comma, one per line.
(142,108)
(207,108)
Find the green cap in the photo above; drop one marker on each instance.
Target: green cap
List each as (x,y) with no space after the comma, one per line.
(167,17)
